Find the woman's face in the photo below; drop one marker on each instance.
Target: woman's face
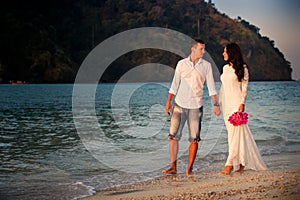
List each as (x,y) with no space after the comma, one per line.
(225,55)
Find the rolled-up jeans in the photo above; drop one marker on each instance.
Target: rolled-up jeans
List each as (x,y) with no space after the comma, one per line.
(180,116)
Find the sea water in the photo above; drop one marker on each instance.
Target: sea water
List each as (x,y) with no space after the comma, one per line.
(53,146)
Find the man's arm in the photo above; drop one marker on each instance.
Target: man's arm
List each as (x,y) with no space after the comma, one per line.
(168,108)
(216,110)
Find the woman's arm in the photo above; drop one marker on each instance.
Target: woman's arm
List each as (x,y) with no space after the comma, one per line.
(245,81)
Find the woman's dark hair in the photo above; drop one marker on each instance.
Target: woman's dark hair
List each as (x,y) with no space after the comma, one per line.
(236,58)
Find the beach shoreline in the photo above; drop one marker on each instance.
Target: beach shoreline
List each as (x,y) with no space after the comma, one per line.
(280,181)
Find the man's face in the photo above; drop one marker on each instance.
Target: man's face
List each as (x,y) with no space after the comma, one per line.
(198,50)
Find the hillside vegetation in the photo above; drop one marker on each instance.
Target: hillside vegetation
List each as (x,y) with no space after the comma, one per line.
(46,41)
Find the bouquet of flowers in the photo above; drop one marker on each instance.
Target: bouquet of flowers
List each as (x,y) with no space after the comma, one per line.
(238,118)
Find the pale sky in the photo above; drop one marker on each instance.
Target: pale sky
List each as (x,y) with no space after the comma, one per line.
(279,20)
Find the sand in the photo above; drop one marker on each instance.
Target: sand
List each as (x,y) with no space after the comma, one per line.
(280,181)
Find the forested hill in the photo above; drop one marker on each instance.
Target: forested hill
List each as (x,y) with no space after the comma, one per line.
(46,41)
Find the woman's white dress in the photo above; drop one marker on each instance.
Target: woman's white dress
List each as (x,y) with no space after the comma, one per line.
(242,146)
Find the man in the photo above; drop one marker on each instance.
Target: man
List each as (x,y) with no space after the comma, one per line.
(187,85)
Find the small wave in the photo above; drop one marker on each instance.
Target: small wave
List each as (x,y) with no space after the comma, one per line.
(292,142)
(273,140)
(85,189)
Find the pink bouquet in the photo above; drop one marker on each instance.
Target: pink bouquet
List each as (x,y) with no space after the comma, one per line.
(238,118)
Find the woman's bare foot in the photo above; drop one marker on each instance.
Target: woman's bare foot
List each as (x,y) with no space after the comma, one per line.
(241,170)
(170,171)
(227,170)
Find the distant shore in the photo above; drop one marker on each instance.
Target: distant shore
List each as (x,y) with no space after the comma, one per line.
(12,82)
(281,181)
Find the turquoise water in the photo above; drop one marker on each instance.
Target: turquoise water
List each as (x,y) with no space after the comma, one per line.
(47,154)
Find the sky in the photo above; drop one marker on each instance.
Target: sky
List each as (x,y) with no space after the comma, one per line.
(279,20)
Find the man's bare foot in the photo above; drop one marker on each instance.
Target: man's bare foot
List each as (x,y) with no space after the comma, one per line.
(241,170)
(227,170)
(170,171)
(189,173)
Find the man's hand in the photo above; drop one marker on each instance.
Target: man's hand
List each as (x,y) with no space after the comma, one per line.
(168,108)
(216,110)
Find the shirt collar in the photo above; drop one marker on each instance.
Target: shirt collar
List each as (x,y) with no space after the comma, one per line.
(199,61)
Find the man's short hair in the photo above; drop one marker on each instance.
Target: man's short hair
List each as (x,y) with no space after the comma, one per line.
(196,41)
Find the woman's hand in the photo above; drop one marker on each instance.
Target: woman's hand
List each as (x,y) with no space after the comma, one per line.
(242,108)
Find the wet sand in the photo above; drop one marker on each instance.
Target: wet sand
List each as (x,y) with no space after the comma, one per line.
(280,181)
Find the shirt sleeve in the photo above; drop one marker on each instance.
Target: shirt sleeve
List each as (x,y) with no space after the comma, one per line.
(245,86)
(210,81)
(176,81)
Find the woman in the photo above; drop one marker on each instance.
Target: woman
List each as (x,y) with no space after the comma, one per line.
(243,151)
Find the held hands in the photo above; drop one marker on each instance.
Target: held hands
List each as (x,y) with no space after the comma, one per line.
(217,110)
